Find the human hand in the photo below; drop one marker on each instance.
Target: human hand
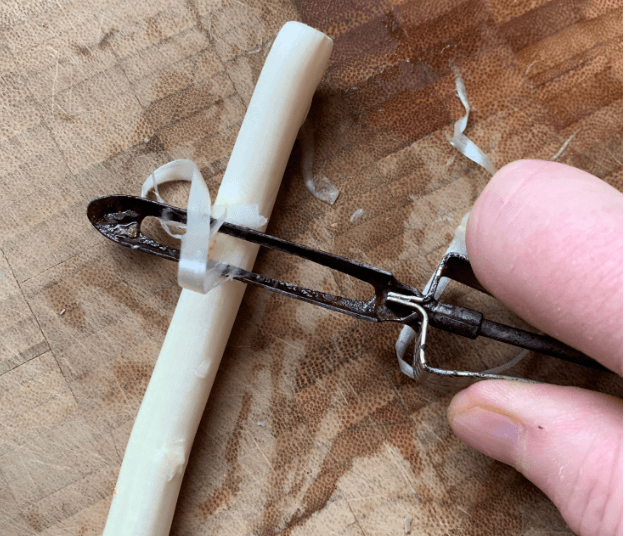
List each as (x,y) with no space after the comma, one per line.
(547,240)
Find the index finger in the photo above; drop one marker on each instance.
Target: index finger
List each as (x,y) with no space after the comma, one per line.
(547,240)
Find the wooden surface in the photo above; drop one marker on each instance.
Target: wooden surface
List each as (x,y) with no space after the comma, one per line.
(310,428)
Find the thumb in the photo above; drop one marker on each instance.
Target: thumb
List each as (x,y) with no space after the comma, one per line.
(572,448)
(547,240)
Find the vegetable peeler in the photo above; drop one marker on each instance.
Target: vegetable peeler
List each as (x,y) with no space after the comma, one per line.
(119,218)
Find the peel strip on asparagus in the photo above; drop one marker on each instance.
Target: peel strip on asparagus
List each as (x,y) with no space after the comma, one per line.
(158,449)
(186,170)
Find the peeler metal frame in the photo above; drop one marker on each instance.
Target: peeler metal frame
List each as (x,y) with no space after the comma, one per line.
(119,219)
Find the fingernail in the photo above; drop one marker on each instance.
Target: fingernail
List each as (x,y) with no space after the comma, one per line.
(494,434)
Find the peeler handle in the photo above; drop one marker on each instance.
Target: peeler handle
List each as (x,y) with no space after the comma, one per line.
(543,344)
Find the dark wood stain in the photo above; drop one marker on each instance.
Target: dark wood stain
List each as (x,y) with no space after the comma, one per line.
(453,36)
(411,114)
(348,445)
(174,118)
(153,30)
(33,351)
(376,36)
(297,416)
(586,98)
(60,296)
(542,22)
(173,107)
(403,76)
(154,322)
(105,42)
(192,6)
(36,520)
(154,145)
(81,49)
(133,377)
(293,448)
(66,117)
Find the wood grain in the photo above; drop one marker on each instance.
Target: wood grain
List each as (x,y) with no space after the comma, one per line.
(310,428)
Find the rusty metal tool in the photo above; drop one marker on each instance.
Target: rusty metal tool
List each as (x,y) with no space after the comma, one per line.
(119,219)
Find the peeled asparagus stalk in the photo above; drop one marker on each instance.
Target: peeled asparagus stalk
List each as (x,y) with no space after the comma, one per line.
(160,442)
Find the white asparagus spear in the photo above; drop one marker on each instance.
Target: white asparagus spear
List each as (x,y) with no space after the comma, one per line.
(158,448)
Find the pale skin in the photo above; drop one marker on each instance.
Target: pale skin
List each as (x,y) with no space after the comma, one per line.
(547,240)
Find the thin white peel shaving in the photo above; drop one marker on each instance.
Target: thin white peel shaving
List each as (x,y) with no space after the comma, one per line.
(563,148)
(509,364)
(321,188)
(407,523)
(357,215)
(459,140)
(195,270)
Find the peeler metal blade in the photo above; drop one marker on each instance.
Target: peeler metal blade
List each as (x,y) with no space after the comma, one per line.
(119,219)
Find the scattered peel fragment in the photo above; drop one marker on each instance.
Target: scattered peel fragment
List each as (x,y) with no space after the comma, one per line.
(357,215)
(322,188)
(407,523)
(509,364)
(196,271)
(459,140)
(564,146)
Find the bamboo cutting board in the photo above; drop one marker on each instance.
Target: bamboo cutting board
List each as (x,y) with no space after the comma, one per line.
(310,428)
